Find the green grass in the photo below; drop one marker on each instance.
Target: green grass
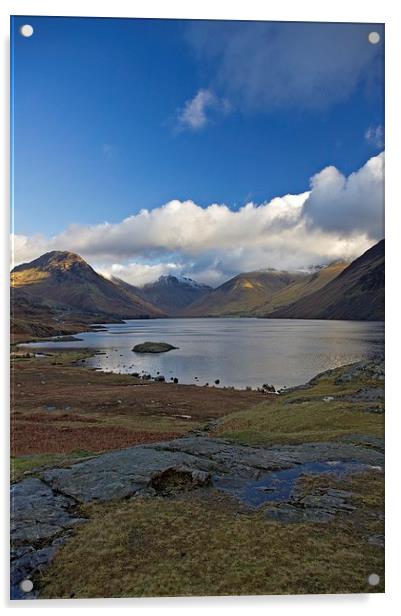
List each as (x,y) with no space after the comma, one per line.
(303,416)
(198,546)
(266,424)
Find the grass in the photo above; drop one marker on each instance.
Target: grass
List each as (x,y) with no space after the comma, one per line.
(196,546)
(303,416)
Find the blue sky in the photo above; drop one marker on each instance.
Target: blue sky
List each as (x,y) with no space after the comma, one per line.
(114,115)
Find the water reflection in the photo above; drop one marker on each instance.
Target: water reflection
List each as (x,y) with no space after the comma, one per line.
(238,352)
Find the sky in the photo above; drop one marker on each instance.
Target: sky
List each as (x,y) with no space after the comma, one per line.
(196,148)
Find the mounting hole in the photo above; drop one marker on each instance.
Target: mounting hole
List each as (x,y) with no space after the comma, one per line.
(26,30)
(374,38)
(26,585)
(374,579)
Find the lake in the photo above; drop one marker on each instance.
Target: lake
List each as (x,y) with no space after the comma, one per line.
(239,352)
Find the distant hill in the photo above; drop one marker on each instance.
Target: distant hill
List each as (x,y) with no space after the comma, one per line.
(61,286)
(172,294)
(306,285)
(243,294)
(357,293)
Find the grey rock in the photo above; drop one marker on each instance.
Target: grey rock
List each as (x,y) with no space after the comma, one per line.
(40,520)
(121,474)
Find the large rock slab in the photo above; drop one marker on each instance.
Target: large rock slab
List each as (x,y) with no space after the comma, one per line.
(125,473)
(40,519)
(120,474)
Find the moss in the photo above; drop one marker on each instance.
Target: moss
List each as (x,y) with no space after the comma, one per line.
(303,416)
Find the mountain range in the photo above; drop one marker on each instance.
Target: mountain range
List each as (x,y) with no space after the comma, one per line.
(60,293)
(171,294)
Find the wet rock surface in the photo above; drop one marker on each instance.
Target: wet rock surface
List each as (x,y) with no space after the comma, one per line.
(40,521)
(46,508)
(319,506)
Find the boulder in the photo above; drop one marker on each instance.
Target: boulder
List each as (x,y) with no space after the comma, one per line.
(153,347)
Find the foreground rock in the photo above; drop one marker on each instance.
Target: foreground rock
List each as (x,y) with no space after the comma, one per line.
(46,508)
(153,347)
(40,522)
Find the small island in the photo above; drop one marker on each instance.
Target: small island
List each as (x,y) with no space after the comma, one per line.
(153,347)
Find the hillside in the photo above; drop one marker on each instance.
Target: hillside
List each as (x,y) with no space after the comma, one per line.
(242,294)
(301,288)
(357,293)
(61,287)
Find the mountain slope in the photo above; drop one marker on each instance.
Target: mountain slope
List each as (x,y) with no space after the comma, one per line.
(302,287)
(172,294)
(242,294)
(63,281)
(357,293)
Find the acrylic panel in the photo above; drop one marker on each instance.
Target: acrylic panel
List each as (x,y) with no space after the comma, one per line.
(197,308)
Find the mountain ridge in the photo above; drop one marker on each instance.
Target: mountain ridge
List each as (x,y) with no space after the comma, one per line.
(357,293)
(61,285)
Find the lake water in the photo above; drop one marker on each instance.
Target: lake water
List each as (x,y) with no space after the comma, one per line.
(238,352)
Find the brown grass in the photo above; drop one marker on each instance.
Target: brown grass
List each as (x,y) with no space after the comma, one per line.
(60,407)
(197,546)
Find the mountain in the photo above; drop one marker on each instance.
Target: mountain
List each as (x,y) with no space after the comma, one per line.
(357,293)
(242,294)
(172,294)
(300,288)
(60,286)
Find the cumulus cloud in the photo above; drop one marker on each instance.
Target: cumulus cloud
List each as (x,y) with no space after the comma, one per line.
(374,135)
(264,64)
(348,204)
(339,217)
(200,110)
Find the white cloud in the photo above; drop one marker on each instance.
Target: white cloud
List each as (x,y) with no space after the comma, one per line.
(349,204)
(139,274)
(199,110)
(339,217)
(374,135)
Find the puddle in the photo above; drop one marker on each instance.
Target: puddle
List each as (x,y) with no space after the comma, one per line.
(278,486)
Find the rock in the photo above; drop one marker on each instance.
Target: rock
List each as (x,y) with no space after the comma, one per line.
(175,380)
(268,387)
(160,378)
(217,382)
(40,521)
(121,474)
(320,506)
(153,347)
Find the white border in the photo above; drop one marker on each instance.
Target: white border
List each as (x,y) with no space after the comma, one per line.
(285,10)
